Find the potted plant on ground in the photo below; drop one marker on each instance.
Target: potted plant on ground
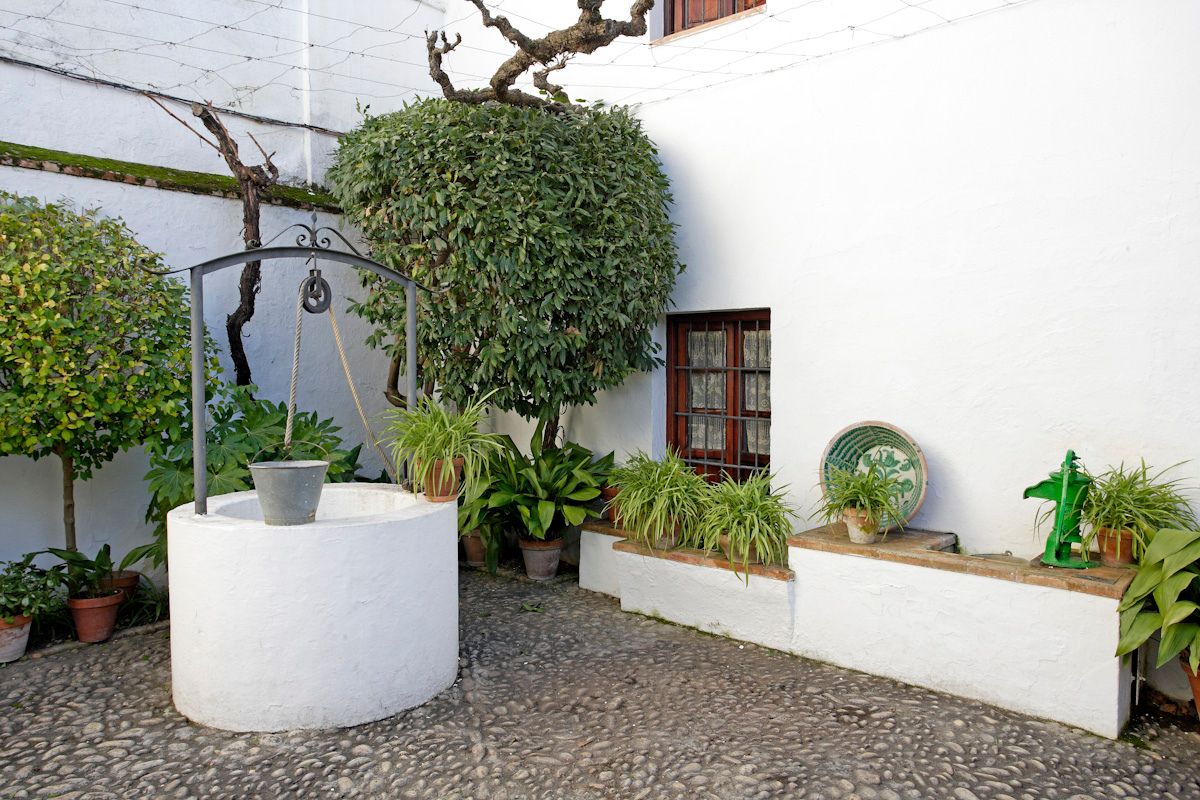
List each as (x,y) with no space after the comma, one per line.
(1164,598)
(1124,507)
(476,523)
(444,447)
(547,492)
(26,591)
(660,502)
(746,521)
(863,500)
(93,607)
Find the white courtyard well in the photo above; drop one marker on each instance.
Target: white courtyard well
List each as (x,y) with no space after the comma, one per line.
(345,620)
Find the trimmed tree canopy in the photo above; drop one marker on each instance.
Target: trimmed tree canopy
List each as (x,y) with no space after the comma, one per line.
(548,231)
(93,350)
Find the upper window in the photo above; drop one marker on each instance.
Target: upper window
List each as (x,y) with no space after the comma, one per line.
(684,14)
(719,391)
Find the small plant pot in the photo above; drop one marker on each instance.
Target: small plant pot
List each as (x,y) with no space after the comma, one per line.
(289,491)
(442,484)
(95,617)
(1116,547)
(1194,680)
(475,549)
(126,580)
(13,638)
(752,555)
(608,494)
(541,558)
(859,526)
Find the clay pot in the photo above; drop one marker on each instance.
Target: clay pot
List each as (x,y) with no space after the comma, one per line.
(1116,547)
(859,527)
(126,580)
(442,484)
(752,555)
(541,558)
(13,638)
(95,617)
(608,493)
(475,549)
(668,541)
(1194,680)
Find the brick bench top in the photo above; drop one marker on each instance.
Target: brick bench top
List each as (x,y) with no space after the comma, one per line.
(687,555)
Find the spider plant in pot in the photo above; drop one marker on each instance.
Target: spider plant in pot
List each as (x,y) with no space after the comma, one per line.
(1164,599)
(1124,507)
(26,592)
(660,502)
(93,607)
(547,492)
(863,500)
(446,448)
(747,521)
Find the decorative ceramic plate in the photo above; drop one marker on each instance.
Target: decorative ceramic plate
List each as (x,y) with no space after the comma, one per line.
(872,442)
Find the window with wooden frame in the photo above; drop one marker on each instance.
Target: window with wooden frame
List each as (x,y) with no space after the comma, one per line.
(684,14)
(719,391)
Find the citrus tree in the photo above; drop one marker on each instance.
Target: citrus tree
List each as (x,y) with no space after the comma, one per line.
(94,355)
(546,236)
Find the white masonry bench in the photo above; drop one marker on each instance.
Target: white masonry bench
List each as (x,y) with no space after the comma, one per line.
(1024,637)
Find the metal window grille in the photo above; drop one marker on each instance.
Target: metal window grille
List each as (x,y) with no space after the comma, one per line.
(719,391)
(684,14)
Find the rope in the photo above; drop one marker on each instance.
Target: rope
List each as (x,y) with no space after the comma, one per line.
(383,456)
(291,413)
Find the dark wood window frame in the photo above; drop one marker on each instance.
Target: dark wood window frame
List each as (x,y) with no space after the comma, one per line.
(680,15)
(734,454)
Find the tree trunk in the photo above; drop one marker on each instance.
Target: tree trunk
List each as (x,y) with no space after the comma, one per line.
(550,434)
(68,481)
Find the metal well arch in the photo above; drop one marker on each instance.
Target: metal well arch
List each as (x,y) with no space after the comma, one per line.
(312,243)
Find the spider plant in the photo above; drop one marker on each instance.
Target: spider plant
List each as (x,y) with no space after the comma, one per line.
(1137,500)
(750,518)
(431,434)
(873,496)
(659,502)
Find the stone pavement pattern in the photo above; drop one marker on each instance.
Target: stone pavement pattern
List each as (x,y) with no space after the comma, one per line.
(576,701)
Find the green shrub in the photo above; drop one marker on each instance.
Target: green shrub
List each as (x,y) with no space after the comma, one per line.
(752,516)
(27,590)
(872,491)
(1137,500)
(431,433)
(94,350)
(550,231)
(657,499)
(1164,598)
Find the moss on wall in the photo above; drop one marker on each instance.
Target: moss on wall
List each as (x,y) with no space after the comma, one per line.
(179,180)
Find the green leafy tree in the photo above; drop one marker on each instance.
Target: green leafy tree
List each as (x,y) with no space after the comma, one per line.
(547,235)
(94,350)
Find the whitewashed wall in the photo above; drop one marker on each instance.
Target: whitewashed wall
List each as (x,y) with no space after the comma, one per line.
(63,114)
(985,233)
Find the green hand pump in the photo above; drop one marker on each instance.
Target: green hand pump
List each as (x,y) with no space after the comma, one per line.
(1068,489)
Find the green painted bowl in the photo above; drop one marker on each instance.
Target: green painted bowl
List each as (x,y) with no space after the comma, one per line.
(863,443)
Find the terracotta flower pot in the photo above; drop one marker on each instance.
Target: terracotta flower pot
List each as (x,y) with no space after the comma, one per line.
(1194,680)
(608,493)
(475,549)
(126,580)
(442,484)
(95,617)
(13,638)
(541,558)
(858,525)
(752,554)
(1116,547)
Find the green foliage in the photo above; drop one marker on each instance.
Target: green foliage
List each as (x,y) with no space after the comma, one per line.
(548,490)
(752,516)
(558,251)
(1164,598)
(1138,500)
(244,430)
(84,576)
(94,354)
(657,499)
(432,433)
(27,590)
(873,491)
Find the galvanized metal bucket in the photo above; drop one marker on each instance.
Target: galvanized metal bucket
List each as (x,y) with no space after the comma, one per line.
(289,491)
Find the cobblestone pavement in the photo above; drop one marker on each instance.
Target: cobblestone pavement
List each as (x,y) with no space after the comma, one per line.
(575,701)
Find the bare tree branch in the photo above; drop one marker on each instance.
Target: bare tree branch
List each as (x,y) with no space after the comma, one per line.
(588,34)
(171,114)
